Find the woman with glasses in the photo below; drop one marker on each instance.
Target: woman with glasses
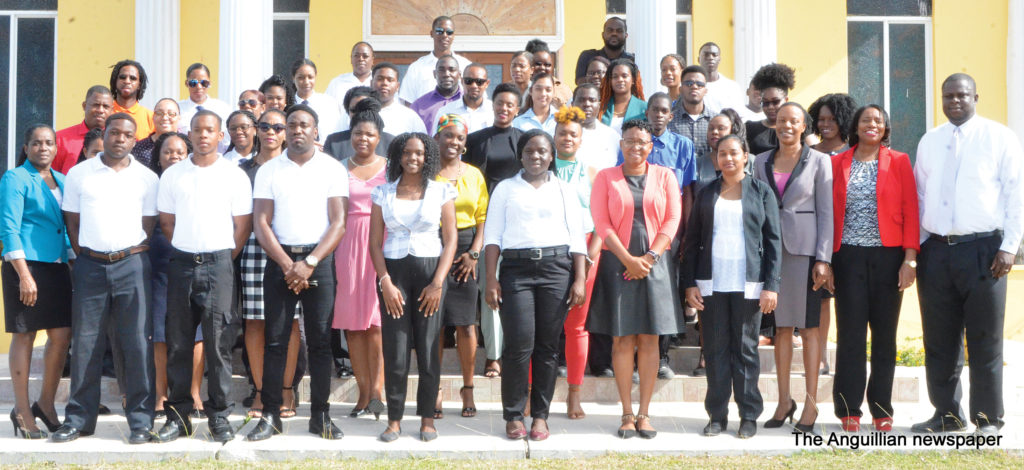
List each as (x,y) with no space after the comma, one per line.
(197,79)
(596,70)
(327,108)
(277,92)
(166,116)
(242,132)
(253,101)
(622,94)
(773,81)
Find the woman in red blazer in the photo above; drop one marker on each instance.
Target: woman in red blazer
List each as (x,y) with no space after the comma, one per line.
(876,245)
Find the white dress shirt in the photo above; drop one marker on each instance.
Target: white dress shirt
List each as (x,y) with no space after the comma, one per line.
(342,84)
(989,194)
(476,119)
(528,121)
(188,108)
(204,201)
(412,225)
(328,113)
(725,93)
(300,195)
(522,216)
(599,148)
(398,119)
(110,204)
(234,157)
(419,77)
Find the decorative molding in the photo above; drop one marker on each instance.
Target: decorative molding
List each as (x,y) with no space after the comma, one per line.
(246,37)
(755,37)
(157,47)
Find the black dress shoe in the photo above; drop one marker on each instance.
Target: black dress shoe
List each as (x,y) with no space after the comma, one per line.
(747,429)
(321,425)
(939,424)
(140,436)
(173,428)
(67,434)
(715,428)
(605,373)
(220,429)
(102,410)
(563,371)
(665,372)
(268,425)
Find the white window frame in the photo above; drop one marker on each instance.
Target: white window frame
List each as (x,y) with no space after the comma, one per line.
(293,16)
(421,41)
(13,127)
(928,70)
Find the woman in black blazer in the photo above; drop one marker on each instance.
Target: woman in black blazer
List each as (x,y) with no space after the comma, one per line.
(731,272)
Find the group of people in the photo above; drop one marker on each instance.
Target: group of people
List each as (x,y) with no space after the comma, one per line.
(573,226)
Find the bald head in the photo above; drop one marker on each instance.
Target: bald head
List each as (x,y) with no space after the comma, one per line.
(959,98)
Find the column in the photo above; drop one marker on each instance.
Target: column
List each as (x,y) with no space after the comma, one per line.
(652,34)
(1015,68)
(754,34)
(246,46)
(157,43)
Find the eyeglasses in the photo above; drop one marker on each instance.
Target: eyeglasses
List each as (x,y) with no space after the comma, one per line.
(636,142)
(250,103)
(241,127)
(160,114)
(775,102)
(264,127)
(193,83)
(126,77)
(694,83)
(447,32)
(474,81)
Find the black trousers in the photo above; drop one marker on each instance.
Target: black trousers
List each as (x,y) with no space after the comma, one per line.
(533,310)
(200,292)
(599,356)
(116,294)
(317,311)
(730,325)
(958,295)
(867,295)
(413,329)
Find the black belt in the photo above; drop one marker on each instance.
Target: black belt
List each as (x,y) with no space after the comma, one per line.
(299,249)
(970,237)
(112,256)
(200,258)
(535,253)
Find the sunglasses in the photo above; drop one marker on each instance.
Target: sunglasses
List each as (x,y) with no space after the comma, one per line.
(193,83)
(474,81)
(447,32)
(126,77)
(775,102)
(250,103)
(267,127)
(694,83)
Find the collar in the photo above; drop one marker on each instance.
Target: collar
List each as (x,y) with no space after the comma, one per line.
(967,126)
(132,110)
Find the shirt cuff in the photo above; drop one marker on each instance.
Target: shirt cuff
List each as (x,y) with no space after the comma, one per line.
(15,254)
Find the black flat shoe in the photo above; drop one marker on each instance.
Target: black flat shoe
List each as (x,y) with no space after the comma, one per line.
(427,436)
(159,414)
(67,434)
(38,413)
(715,428)
(747,429)
(645,433)
(777,423)
(357,412)
(940,424)
(140,436)
(321,425)
(173,429)
(220,429)
(268,425)
(630,432)
(102,410)
(389,435)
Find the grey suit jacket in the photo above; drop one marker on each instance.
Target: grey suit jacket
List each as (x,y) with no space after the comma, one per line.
(805,207)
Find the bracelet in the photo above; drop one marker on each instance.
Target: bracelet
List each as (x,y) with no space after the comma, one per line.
(380,282)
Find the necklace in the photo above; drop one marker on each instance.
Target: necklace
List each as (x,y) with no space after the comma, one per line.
(462,169)
(358,165)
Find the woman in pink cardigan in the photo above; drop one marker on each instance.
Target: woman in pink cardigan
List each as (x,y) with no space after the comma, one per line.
(636,209)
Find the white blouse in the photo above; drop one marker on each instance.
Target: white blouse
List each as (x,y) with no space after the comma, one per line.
(412,225)
(728,253)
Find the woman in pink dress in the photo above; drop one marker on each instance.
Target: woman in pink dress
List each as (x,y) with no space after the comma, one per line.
(356,309)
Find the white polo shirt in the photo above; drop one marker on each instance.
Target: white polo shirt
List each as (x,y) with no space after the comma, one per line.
(203,201)
(300,195)
(110,204)
(398,119)
(476,119)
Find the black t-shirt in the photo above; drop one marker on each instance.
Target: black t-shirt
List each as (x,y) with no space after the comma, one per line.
(589,54)
(493,151)
(760,137)
(339,144)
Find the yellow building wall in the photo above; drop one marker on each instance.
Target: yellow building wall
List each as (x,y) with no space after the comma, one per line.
(87,45)
(971,40)
(584,21)
(819,59)
(712,22)
(334,27)
(200,41)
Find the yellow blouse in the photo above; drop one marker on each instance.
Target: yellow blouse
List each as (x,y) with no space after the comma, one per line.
(471,204)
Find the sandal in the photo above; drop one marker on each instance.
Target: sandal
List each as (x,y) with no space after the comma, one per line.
(254,412)
(577,414)
(628,428)
(493,369)
(467,411)
(289,410)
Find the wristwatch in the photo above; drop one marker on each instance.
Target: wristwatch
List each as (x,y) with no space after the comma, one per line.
(911,263)
(312,261)
(474,254)
(654,255)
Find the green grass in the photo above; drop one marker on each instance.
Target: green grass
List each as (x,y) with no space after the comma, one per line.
(993,459)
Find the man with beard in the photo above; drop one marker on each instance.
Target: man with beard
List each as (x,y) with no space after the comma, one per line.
(474,107)
(128,83)
(447,75)
(419,76)
(691,115)
(97,106)
(614,36)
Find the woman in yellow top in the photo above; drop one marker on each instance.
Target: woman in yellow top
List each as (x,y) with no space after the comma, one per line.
(462,298)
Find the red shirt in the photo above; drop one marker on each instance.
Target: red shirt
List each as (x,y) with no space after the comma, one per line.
(69,145)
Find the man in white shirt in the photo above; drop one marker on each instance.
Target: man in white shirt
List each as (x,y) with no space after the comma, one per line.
(474,107)
(362,65)
(722,92)
(205,205)
(419,77)
(398,118)
(110,211)
(600,145)
(299,207)
(969,175)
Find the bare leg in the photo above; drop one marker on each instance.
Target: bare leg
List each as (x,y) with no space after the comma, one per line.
(623,348)
(783,361)
(20,361)
(360,368)
(58,340)
(648,358)
(465,343)
(375,361)
(254,340)
(160,361)
(198,364)
(288,396)
(824,323)
(812,354)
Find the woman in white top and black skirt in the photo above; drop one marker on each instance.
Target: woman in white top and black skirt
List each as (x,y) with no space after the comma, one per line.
(731,265)
(534,221)
(412,263)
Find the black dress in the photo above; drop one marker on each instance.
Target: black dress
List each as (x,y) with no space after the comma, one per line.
(648,306)
(760,137)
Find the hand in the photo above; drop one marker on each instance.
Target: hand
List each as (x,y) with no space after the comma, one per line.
(821,273)
(907,275)
(465,267)
(768,301)
(297,276)
(430,299)
(637,267)
(577,293)
(694,299)
(1002,264)
(28,292)
(394,303)
(493,295)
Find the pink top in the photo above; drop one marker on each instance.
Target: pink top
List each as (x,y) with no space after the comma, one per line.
(611,204)
(780,180)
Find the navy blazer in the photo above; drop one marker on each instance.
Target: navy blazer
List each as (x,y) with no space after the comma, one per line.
(30,217)
(761,235)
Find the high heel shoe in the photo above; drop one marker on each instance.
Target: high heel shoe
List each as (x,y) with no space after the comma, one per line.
(18,426)
(777,423)
(38,413)
(376,407)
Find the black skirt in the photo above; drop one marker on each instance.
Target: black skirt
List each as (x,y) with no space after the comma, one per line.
(462,298)
(53,304)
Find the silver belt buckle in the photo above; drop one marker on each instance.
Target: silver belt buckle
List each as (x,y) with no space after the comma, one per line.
(536,254)
(197,258)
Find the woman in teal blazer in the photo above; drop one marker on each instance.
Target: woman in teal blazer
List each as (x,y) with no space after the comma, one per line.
(35,275)
(622,94)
